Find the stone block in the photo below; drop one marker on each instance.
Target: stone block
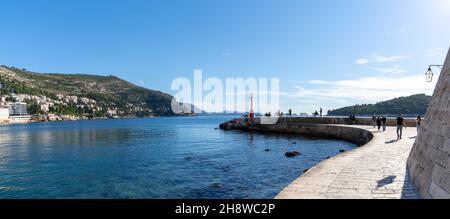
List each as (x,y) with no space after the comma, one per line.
(437,192)
(441,176)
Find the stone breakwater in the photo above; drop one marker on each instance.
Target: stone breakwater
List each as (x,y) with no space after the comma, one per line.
(290,125)
(377,170)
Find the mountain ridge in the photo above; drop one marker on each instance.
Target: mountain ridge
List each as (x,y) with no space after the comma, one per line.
(109,93)
(410,106)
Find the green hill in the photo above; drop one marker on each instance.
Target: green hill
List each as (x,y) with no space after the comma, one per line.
(410,106)
(107,93)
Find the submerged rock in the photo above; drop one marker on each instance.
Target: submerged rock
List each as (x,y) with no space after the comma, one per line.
(216,185)
(294,142)
(267,150)
(292,153)
(226,126)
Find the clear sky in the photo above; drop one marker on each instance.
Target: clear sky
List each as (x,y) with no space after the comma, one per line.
(326,53)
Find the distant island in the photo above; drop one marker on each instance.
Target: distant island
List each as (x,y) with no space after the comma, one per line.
(410,106)
(77,96)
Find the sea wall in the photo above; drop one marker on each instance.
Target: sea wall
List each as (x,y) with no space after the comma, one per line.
(290,126)
(429,161)
(341,121)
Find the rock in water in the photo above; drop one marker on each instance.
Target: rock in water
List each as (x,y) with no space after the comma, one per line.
(267,150)
(342,150)
(216,185)
(292,153)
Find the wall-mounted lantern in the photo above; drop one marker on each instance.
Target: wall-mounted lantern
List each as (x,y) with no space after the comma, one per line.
(429,74)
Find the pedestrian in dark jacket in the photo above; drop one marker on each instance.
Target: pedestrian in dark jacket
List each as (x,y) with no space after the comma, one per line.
(379,123)
(383,123)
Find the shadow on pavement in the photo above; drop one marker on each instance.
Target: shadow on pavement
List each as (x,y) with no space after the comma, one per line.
(386,181)
(408,191)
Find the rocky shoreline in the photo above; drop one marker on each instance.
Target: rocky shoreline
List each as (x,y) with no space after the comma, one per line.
(66,118)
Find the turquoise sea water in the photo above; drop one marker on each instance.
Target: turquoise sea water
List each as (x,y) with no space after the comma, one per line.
(180,157)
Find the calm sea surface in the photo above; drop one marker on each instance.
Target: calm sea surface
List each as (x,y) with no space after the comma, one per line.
(151,158)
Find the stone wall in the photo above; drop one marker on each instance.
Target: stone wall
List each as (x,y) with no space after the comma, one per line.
(429,161)
(288,126)
(351,134)
(341,121)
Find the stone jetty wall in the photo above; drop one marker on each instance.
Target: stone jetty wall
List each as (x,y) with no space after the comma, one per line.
(429,161)
(288,126)
(341,121)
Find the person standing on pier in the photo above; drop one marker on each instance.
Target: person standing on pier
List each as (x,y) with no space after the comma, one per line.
(400,125)
(419,123)
(383,123)
(379,123)
(320,112)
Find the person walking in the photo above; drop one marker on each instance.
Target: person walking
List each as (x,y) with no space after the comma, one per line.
(383,123)
(400,126)
(379,123)
(418,123)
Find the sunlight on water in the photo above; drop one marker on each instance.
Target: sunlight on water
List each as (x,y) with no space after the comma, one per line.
(150,158)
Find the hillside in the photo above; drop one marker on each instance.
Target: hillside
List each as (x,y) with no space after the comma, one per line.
(78,94)
(410,106)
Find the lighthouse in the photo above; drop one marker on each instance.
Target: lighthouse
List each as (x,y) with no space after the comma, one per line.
(251,115)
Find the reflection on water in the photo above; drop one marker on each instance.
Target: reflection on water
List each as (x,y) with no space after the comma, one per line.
(150,158)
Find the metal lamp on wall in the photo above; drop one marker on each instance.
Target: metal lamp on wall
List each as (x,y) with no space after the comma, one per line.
(429,74)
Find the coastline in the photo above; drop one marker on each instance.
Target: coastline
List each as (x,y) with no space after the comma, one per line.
(77,118)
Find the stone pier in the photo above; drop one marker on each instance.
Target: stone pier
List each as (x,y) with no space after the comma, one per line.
(382,167)
(375,170)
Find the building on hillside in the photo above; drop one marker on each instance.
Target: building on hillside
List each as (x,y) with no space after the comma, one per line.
(17,109)
(4,113)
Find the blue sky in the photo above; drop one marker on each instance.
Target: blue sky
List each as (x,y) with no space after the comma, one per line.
(326,53)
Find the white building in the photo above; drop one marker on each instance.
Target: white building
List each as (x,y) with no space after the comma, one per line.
(4,113)
(17,109)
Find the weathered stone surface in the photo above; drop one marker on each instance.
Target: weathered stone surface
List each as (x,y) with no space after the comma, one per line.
(377,170)
(429,161)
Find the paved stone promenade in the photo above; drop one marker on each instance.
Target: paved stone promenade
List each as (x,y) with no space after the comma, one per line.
(374,171)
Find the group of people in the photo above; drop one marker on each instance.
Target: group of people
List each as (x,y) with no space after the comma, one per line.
(401,124)
(380,122)
(315,114)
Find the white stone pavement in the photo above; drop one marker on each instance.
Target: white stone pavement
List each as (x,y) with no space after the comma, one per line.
(374,171)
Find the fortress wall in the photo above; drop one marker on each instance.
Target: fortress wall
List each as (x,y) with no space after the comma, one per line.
(429,161)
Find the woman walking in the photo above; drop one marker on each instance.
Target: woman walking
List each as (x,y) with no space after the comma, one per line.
(418,123)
